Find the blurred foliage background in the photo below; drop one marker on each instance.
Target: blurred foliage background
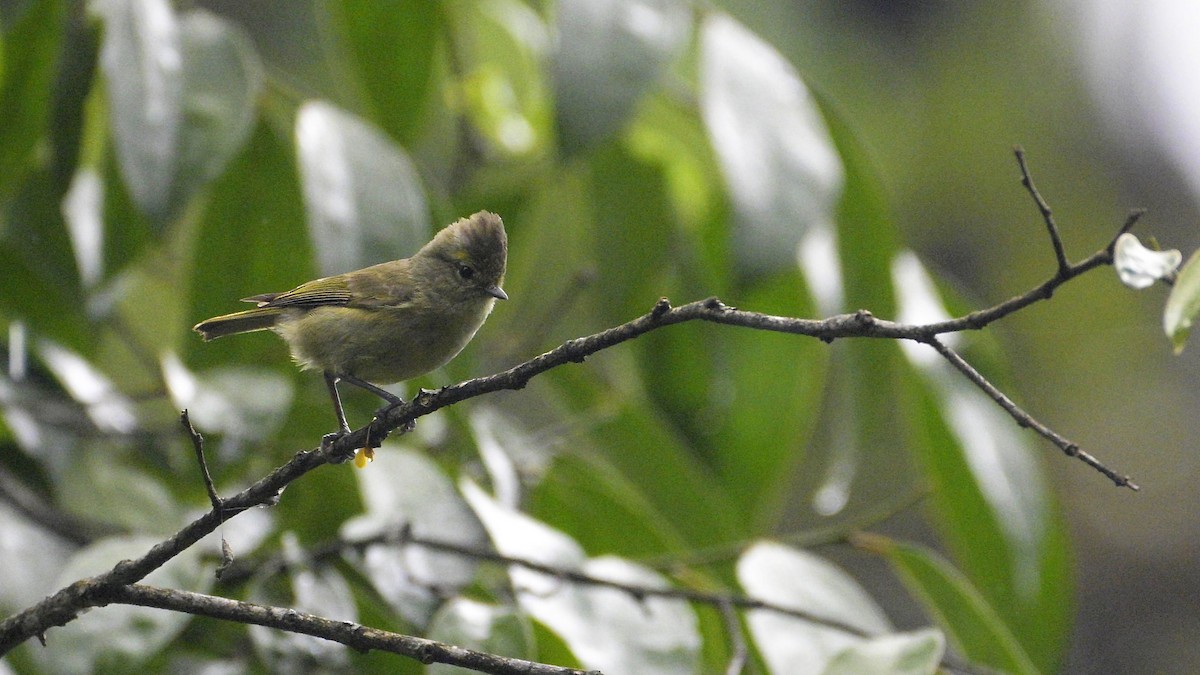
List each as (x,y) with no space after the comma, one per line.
(159,161)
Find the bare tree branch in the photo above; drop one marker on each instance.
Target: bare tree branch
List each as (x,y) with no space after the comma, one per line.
(64,605)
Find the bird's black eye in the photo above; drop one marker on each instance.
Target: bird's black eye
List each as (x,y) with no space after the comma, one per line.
(466,271)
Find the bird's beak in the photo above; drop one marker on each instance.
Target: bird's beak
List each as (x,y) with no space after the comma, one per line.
(496,292)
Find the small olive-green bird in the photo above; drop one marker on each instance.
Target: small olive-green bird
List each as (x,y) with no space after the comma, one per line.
(389,322)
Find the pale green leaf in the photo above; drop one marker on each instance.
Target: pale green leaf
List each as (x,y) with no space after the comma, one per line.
(916,653)
(608,54)
(315,590)
(783,173)
(363,195)
(120,634)
(141,58)
(1183,303)
(403,488)
(607,629)
(221,80)
(970,621)
(30,554)
(802,581)
(494,629)
(991,501)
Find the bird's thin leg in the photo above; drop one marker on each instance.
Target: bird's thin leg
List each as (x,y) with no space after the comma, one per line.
(331,381)
(392,399)
(384,394)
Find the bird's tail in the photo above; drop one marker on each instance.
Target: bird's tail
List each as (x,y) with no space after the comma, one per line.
(250,320)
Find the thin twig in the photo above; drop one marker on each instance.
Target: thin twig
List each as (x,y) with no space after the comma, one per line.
(1134,216)
(1055,238)
(1023,418)
(404,536)
(198,445)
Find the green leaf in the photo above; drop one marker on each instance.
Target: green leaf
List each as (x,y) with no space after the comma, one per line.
(249,240)
(846,268)
(29,54)
(142,61)
(756,421)
(392,50)
(991,501)
(782,171)
(1183,304)
(607,629)
(363,195)
(632,228)
(607,55)
(501,46)
(32,553)
(244,404)
(970,621)
(654,493)
(36,261)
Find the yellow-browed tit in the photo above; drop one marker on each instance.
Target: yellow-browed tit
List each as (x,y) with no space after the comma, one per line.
(389,322)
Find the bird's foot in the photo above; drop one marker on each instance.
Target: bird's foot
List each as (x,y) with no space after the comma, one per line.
(327,442)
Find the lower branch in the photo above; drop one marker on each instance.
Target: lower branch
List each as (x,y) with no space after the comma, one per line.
(351,634)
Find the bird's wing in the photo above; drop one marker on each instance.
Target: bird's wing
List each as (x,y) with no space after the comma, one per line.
(386,285)
(326,291)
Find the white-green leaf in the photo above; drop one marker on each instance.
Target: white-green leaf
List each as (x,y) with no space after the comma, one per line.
(221,79)
(362,193)
(119,637)
(608,54)
(605,628)
(494,629)
(403,487)
(31,556)
(1183,303)
(141,58)
(916,653)
(83,212)
(242,404)
(802,581)
(321,591)
(782,170)
(1139,267)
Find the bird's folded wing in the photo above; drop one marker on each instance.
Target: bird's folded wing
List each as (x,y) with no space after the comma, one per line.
(327,291)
